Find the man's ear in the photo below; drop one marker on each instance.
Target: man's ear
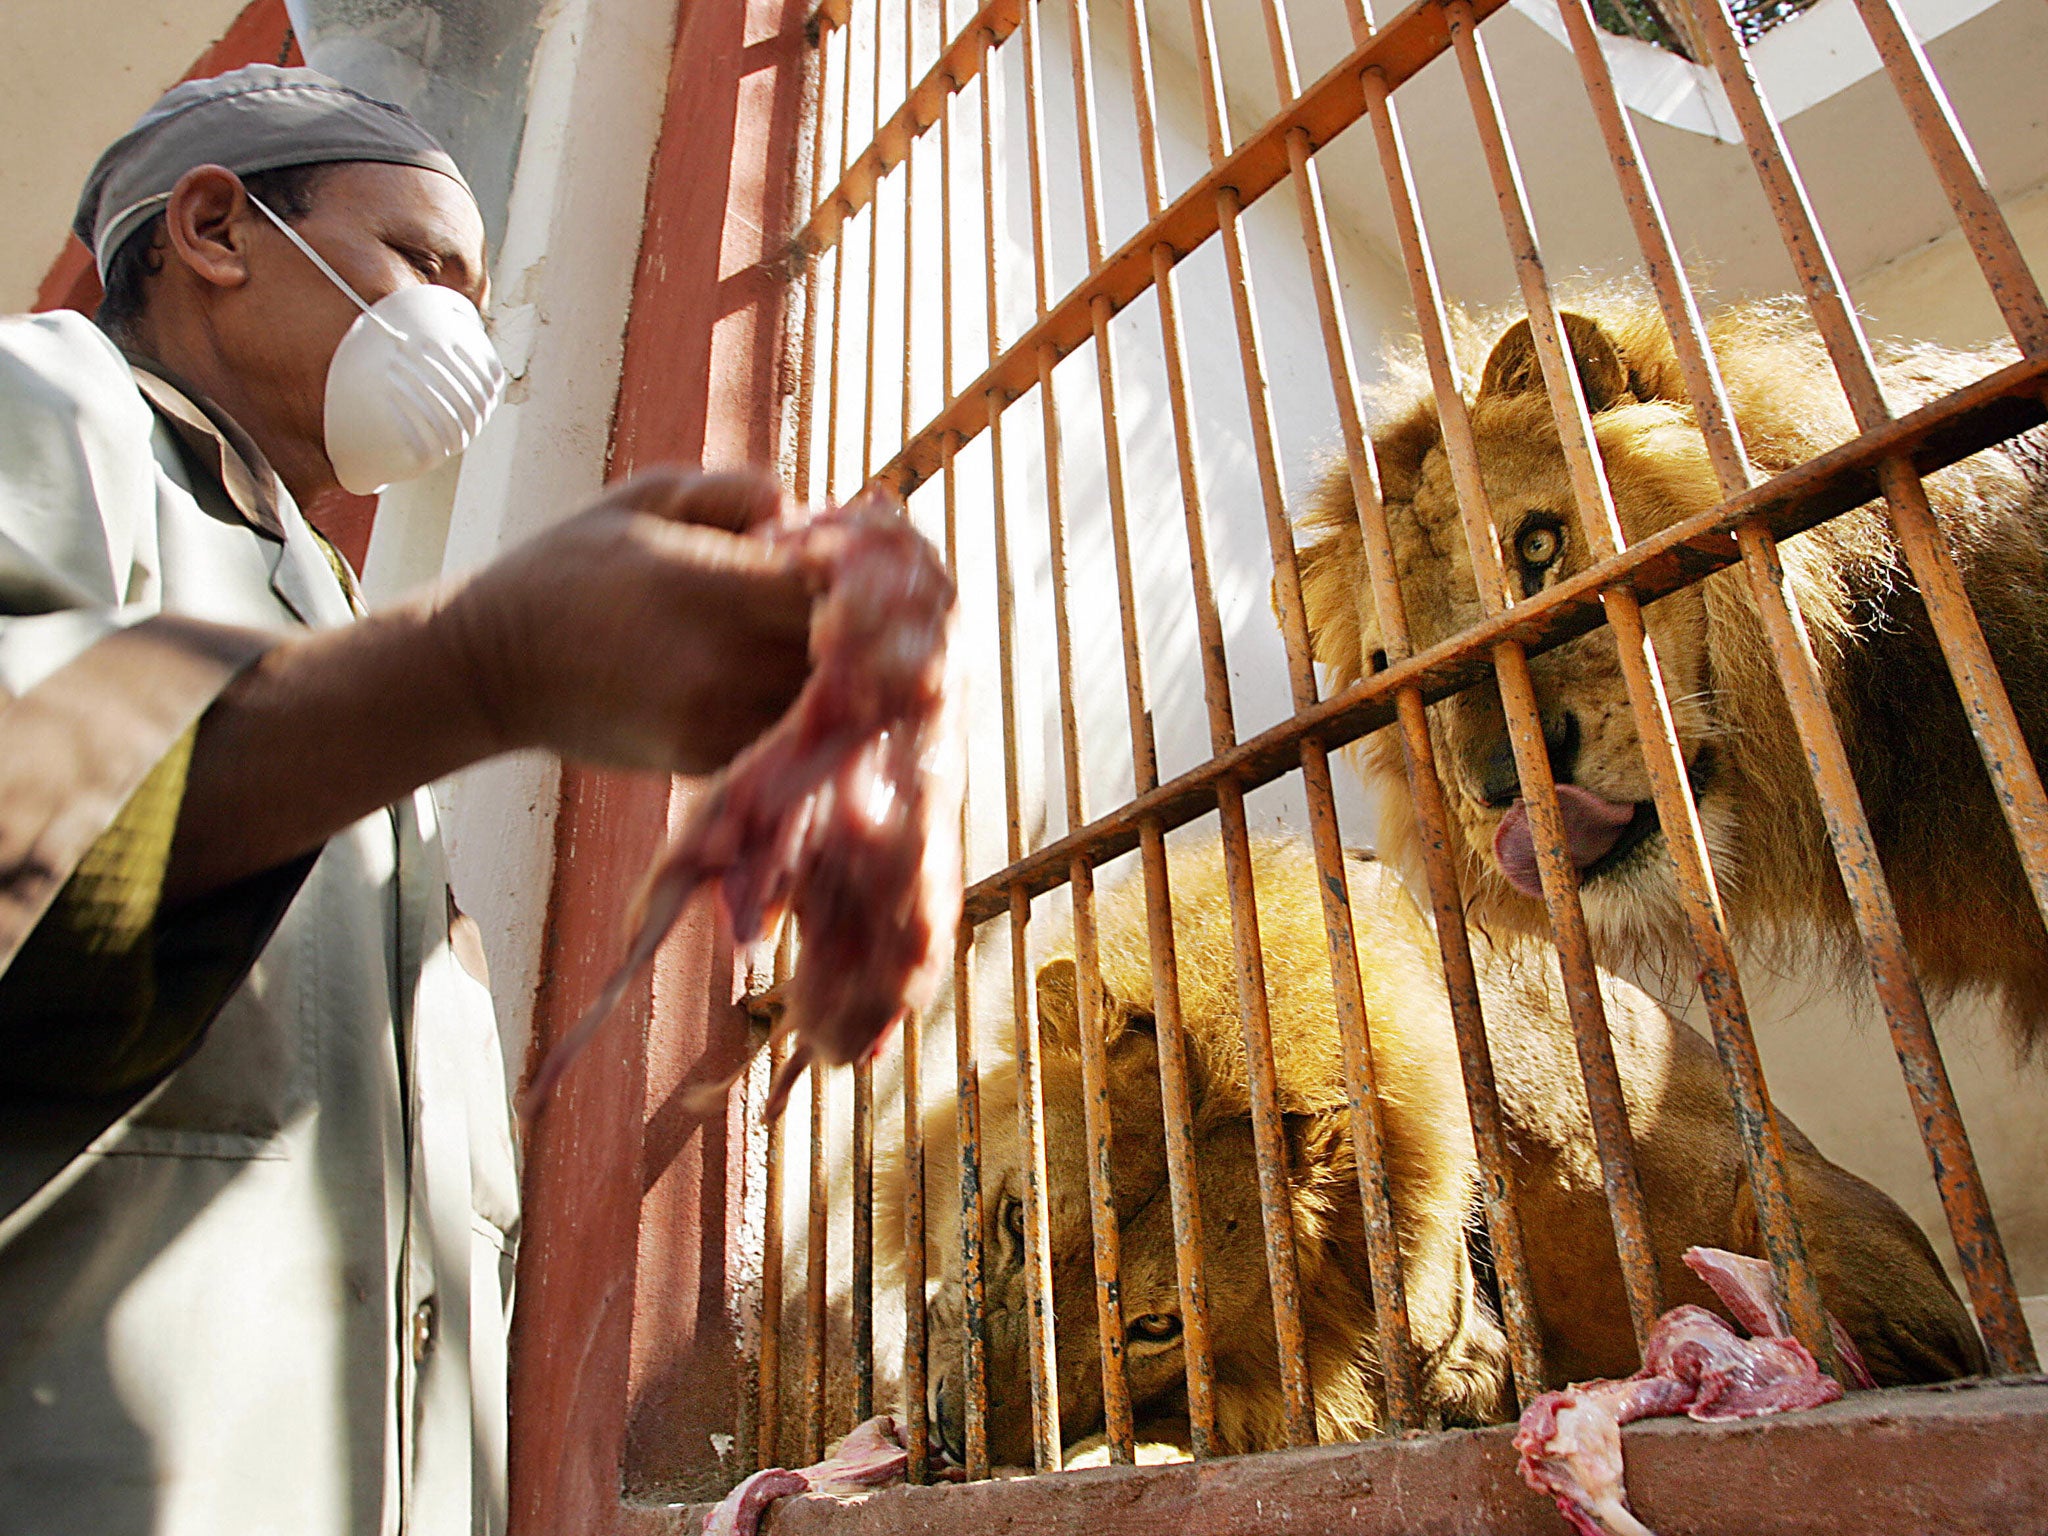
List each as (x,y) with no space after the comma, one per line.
(207,225)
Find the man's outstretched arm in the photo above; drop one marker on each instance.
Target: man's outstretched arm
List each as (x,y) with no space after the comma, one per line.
(642,632)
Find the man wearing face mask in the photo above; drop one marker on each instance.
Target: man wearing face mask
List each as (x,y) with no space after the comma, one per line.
(257,1184)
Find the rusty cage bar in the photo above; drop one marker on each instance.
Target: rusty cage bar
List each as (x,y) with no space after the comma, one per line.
(943,53)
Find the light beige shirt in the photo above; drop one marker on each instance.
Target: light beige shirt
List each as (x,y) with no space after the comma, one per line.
(273,1296)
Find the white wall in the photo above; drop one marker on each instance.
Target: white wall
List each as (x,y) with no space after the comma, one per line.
(561,288)
(73,75)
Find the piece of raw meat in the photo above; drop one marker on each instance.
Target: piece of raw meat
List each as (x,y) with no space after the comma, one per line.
(1571,1448)
(872,1456)
(1749,1289)
(846,811)
(1695,1364)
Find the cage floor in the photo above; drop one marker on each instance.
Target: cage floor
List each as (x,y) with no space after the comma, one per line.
(1957,1460)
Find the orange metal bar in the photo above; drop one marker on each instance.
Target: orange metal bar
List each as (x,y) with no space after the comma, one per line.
(1045,1412)
(1718,979)
(768,1378)
(1496,1176)
(1389,1299)
(1983,223)
(916,1428)
(959,62)
(807,349)
(1116,1392)
(967,1111)
(768,1435)
(867,413)
(1407,43)
(863,1241)
(814,1340)
(2013,774)
(863,1071)
(828,482)
(967,1086)
(973,1284)
(916,1425)
(814,1291)
(1046,1446)
(1175,1093)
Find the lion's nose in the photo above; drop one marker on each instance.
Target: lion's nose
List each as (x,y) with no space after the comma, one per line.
(1500,783)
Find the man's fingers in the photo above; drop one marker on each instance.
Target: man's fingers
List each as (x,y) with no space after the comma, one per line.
(734,500)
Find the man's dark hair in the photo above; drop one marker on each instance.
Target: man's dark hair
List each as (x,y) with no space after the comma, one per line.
(288,191)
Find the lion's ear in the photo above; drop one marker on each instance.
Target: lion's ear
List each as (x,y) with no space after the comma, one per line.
(1515,369)
(1134,1045)
(1059,1004)
(1318,1146)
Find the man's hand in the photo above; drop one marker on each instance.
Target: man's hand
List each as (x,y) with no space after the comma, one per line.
(645,631)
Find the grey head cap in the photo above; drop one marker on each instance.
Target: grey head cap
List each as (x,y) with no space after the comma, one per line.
(258,118)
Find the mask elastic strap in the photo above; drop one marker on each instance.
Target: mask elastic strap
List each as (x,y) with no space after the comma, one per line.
(319,261)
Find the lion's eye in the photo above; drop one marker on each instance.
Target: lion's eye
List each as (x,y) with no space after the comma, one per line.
(1538,544)
(1013,1218)
(1154,1327)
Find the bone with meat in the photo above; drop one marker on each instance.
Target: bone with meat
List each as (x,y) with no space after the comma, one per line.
(846,811)
(872,1456)
(1695,1364)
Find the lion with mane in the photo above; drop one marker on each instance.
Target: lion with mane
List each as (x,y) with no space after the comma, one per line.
(1876,1270)
(1962,897)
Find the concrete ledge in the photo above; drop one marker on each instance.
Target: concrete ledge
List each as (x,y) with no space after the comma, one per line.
(1958,1461)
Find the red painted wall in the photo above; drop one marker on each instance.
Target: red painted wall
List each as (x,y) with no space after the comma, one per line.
(625,1361)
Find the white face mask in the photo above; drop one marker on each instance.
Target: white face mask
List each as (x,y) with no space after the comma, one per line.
(411,382)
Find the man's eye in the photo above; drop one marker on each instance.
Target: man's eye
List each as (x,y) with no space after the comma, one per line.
(1154,1327)
(425,263)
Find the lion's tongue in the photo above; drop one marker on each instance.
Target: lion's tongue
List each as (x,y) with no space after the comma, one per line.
(1591,827)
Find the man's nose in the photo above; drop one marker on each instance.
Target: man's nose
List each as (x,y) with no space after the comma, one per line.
(1500,783)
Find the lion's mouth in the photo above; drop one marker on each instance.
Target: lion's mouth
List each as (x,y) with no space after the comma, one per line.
(1600,834)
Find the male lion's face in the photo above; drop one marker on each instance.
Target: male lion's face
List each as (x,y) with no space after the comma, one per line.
(1658,472)
(1241,1313)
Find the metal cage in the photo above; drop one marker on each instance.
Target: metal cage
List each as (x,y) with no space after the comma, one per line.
(908,110)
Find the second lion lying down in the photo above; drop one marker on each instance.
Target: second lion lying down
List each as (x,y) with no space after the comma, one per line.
(1877,1273)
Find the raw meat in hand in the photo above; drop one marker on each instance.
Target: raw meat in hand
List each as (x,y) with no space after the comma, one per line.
(1694,1364)
(872,1456)
(847,810)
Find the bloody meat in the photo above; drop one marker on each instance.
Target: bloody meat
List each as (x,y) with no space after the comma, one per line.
(846,811)
(872,1456)
(1694,1364)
